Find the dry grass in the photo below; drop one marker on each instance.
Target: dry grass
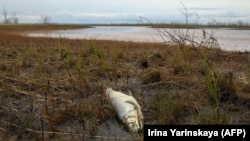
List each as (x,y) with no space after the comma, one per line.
(53,89)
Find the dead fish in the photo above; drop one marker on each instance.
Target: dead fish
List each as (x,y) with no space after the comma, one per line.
(127,109)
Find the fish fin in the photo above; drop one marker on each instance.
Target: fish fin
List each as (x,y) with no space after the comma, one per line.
(108,91)
(129,92)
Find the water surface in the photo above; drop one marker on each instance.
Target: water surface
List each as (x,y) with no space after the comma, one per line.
(228,39)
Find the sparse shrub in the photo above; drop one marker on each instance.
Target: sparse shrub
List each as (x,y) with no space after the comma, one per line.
(211,82)
(156,60)
(150,76)
(221,86)
(144,63)
(226,88)
(92,50)
(214,116)
(65,52)
(166,109)
(246,88)
(178,70)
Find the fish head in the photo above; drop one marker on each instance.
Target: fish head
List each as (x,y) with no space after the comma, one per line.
(134,123)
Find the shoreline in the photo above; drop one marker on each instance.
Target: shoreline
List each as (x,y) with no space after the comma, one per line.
(55,26)
(228,39)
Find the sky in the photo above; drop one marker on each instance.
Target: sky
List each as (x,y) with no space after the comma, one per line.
(128,11)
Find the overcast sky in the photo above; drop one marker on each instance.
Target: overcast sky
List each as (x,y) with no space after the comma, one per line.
(127,11)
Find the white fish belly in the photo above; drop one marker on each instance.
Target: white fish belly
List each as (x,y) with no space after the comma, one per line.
(127,109)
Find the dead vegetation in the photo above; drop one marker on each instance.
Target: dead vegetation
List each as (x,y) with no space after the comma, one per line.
(53,89)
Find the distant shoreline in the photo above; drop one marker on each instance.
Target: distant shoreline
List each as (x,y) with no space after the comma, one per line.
(57,26)
(188,26)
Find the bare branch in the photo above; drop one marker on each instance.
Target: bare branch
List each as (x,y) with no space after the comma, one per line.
(185,13)
(9,18)
(45,19)
(5,15)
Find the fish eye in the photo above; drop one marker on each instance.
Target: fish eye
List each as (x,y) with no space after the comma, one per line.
(131,124)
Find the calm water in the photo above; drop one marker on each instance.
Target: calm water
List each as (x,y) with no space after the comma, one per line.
(228,39)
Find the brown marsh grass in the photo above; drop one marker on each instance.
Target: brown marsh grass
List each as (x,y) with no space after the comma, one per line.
(53,88)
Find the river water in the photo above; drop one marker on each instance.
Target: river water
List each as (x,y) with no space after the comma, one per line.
(228,39)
